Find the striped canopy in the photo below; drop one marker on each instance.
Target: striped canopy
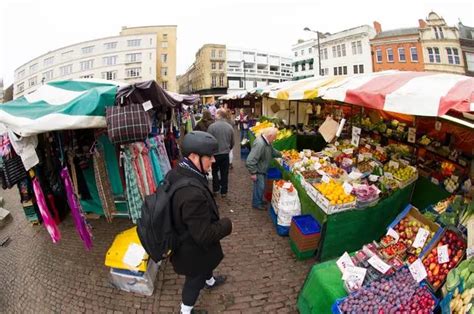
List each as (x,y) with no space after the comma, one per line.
(60,105)
(309,88)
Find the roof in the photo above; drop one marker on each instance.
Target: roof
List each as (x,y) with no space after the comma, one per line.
(397,32)
(465,32)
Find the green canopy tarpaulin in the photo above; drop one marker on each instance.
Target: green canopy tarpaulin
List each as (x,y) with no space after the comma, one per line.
(60,105)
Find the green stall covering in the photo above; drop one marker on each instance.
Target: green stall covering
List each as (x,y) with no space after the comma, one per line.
(322,288)
(283,144)
(426,193)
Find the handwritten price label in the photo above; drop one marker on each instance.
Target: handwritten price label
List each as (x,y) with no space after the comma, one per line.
(393,164)
(420,238)
(344,262)
(326,179)
(354,274)
(393,234)
(443,256)
(417,270)
(378,264)
(347,188)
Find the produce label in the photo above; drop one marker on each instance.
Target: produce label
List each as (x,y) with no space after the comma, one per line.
(354,274)
(147,105)
(355,136)
(469,252)
(348,151)
(287,185)
(368,146)
(393,164)
(417,270)
(443,255)
(326,179)
(455,178)
(393,234)
(388,175)
(360,158)
(347,188)
(420,238)
(344,261)
(411,135)
(378,264)
(434,181)
(317,166)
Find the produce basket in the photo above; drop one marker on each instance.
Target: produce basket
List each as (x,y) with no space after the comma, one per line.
(301,255)
(329,209)
(305,232)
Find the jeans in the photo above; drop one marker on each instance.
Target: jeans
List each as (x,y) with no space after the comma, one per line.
(192,287)
(220,173)
(258,188)
(243,133)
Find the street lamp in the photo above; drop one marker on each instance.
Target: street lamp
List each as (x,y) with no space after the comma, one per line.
(245,79)
(319,48)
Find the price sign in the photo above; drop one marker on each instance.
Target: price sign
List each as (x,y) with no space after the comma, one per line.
(361,157)
(354,274)
(336,143)
(469,252)
(344,261)
(348,151)
(355,175)
(420,238)
(443,256)
(411,135)
(393,164)
(347,188)
(435,181)
(368,146)
(438,125)
(355,136)
(147,105)
(378,264)
(373,178)
(317,166)
(287,185)
(368,155)
(400,128)
(417,270)
(326,179)
(455,178)
(393,234)
(388,175)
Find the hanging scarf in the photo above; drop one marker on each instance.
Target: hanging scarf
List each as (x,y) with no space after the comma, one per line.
(145,155)
(134,199)
(48,221)
(155,160)
(103,184)
(137,169)
(163,154)
(78,216)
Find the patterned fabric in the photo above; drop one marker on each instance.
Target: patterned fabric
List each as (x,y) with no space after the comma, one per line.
(150,178)
(127,124)
(137,170)
(103,184)
(14,171)
(48,221)
(134,198)
(155,160)
(162,154)
(72,166)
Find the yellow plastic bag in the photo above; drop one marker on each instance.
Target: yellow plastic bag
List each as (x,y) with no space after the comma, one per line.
(119,247)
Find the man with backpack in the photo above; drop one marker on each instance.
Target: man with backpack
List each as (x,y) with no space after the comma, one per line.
(193,241)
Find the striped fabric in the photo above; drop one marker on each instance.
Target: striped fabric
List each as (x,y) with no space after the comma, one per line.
(127,124)
(103,184)
(134,199)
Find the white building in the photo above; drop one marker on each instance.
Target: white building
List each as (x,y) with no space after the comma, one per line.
(343,53)
(121,58)
(247,69)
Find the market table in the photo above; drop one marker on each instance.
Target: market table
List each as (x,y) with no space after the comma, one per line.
(283,144)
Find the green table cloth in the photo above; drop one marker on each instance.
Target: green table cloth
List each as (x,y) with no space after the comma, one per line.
(426,193)
(283,144)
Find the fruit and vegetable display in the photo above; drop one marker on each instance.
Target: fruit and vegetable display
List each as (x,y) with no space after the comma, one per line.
(437,271)
(366,193)
(461,302)
(334,192)
(399,293)
(283,133)
(260,126)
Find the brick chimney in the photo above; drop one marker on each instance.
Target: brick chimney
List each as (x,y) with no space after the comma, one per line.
(378,27)
(422,23)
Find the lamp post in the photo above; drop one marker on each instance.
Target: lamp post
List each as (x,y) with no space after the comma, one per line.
(245,79)
(319,48)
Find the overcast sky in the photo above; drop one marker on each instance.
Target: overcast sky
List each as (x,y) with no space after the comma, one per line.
(29,28)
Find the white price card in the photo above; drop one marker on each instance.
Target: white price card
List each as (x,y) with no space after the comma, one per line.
(147,105)
(368,155)
(455,178)
(354,274)
(388,175)
(420,238)
(368,146)
(378,264)
(393,234)
(287,185)
(344,261)
(411,135)
(434,181)
(348,151)
(469,252)
(354,175)
(336,143)
(326,179)
(355,136)
(393,164)
(317,166)
(379,148)
(417,270)
(443,255)
(347,161)
(373,178)
(360,158)
(347,188)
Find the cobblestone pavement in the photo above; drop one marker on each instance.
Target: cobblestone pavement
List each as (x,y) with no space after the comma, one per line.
(37,276)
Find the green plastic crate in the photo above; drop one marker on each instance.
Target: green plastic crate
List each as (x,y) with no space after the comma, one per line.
(301,255)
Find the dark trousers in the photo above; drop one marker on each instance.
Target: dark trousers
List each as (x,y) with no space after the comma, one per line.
(220,173)
(192,287)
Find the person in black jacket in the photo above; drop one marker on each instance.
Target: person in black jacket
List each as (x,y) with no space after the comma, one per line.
(196,216)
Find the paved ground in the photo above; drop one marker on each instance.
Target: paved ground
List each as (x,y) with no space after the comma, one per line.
(37,276)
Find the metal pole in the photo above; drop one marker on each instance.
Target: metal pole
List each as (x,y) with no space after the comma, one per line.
(319,55)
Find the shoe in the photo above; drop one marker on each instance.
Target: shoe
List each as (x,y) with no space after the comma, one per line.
(198,311)
(220,280)
(259,208)
(215,193)
(224,195)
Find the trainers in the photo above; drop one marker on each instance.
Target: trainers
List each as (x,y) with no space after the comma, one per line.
(220,280)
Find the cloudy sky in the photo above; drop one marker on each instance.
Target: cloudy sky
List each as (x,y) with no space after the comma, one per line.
(29,28)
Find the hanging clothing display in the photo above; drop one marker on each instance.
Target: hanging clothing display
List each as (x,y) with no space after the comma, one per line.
(25,148)
(134,198)
(103,184)
(155,159)
(162,154)
(48,221)
(79,219)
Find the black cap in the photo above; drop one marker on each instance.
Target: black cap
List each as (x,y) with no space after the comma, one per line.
(200,143)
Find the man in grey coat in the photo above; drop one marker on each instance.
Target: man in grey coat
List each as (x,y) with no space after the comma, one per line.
(224,133)
(258,162)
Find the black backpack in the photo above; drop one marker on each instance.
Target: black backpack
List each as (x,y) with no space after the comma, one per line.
(155,228)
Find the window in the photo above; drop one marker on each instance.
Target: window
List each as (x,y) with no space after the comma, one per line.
(213,65)
(164,57)
(21,74)
(32,81)
(441,35)
(343,46)
(359,47)
(296,68)
(356,69)
(221,65)
(401,55)
(65,70)
(340,70)
(110,60)
(470,61)
(338,51)
(379,55)
(310,50)
(20,87)
(296,53)
(33,68)
(165,36)
(334,55)
(436,32)
(164,71)
(335,71)
(344,69)
(151,41)
(414,54)
(354,48)
(164,84)
(48,61)
(213,53)
(437,56)
(221,80)
(324,54)
(221,53)
(433,55)
(109,75)
(164,44)
(88,49)
(48,75)
(213,81)
(88,76)
(453,55)
(134,42)
(302,52)
(326,71)
(389,55)
(303,66)
(133,72)
(133,57)
(111,45)
(87,65)
(310,65)
(361,68)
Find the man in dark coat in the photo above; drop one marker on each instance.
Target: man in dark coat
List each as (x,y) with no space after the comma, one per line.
(196,215)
